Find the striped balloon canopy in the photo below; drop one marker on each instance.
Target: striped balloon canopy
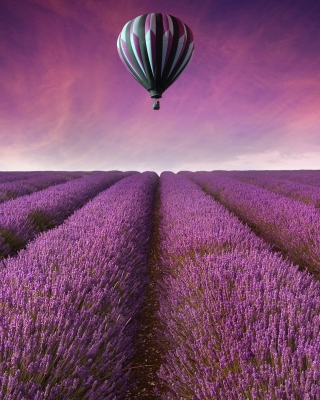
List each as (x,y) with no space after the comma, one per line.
(155,48)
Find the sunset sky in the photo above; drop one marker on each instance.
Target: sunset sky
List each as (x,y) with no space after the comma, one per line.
(249,99)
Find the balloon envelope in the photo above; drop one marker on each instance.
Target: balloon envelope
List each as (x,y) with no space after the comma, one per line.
(155,48)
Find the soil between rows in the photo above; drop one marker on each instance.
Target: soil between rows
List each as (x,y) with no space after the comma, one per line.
(148,358)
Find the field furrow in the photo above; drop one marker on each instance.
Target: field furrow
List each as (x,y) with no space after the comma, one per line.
(70,302)
(23,218)
(148,357)
(238,321)
(292,227)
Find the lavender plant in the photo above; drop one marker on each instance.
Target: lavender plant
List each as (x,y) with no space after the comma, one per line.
(238,321)
(71,300)
(11,176)
(307,177)
(34,182)
(291,226)
(304,193)
(23,218)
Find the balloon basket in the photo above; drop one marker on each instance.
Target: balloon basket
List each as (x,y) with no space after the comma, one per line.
(156,105)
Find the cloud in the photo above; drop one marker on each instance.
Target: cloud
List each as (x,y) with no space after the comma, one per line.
(251,92)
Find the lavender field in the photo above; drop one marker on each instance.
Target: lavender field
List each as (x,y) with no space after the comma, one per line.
(129,285)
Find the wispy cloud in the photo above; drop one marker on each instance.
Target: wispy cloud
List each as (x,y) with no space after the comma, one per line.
(66,101)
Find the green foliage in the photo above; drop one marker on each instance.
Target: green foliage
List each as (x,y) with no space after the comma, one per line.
(41,221)
(14,242)
(10,195)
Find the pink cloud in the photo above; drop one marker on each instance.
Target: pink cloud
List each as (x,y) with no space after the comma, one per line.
(252,86)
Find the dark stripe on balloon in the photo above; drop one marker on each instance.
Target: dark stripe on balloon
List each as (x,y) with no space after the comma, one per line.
(167,42)
(180,72)
(181,45)
(186,61)
(190,34)
(159,43)
(144,53)
(183,55)
(135,63)
(175,42)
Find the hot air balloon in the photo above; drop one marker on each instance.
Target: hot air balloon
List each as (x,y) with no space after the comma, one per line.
(155,48)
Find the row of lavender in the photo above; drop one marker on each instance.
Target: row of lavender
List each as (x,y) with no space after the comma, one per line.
(239,321)
(12,176)
(70,301)
(305,193)
(23,218)
(291,226)
(309,177)
(27,184)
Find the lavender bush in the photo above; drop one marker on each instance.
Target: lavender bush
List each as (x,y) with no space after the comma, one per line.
(238,321)
(16,176)
(307,177)
(307,194)
(70,301)
(291,226)
(310,177)
(23,218)
(21,187)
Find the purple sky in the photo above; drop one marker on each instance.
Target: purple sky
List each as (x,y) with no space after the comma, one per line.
(249,99)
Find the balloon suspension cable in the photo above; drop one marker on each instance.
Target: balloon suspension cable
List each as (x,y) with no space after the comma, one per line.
(156,105)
